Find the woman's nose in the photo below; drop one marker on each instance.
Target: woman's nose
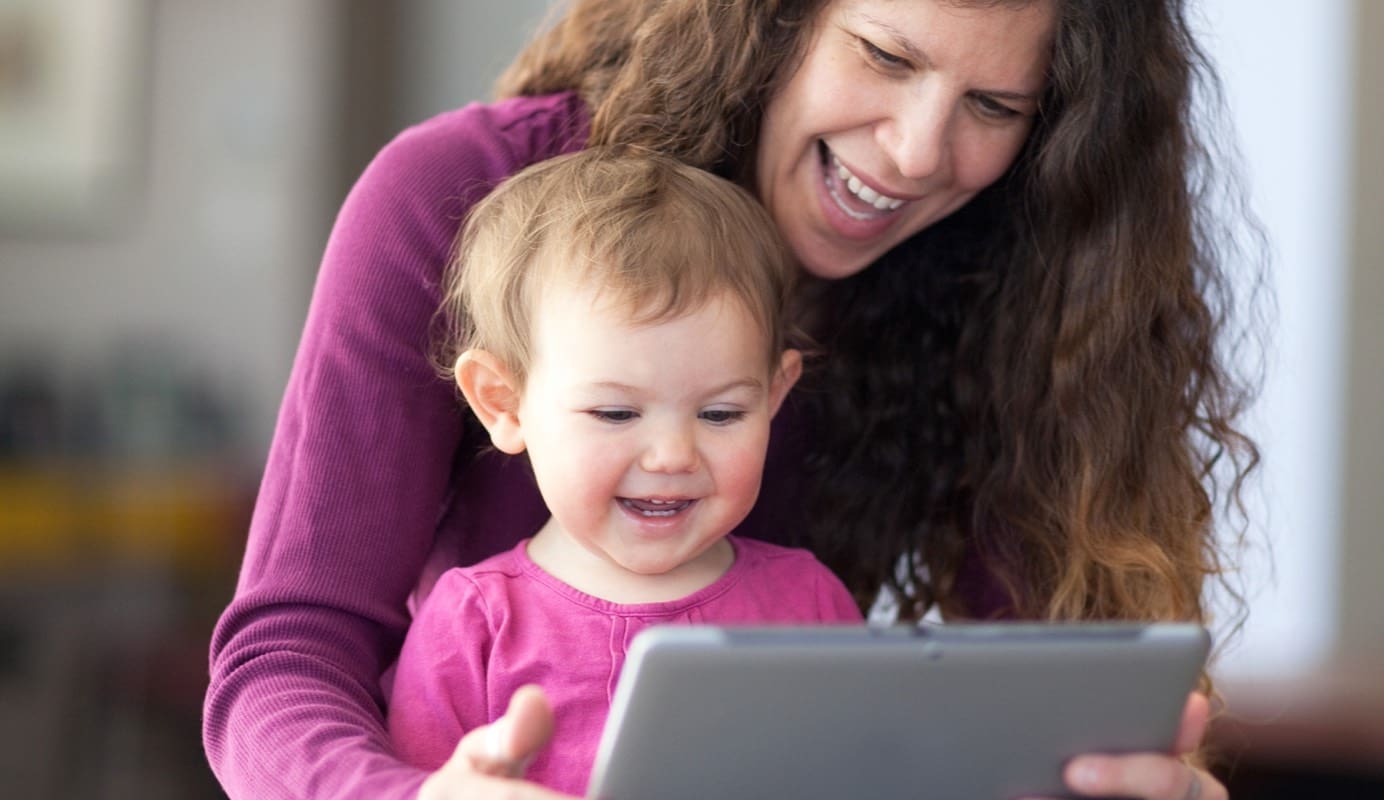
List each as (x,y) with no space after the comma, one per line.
(916,135)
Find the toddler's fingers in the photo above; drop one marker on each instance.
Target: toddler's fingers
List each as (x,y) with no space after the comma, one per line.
(470,785)
(505,746)
(479,752)
(528,725)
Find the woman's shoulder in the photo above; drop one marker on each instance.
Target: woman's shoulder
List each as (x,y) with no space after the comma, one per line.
(412,196)
(486,140)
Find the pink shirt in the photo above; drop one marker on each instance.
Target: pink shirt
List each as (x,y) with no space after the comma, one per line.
(486,630)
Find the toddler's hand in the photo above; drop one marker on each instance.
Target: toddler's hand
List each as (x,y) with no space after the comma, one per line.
(489,761)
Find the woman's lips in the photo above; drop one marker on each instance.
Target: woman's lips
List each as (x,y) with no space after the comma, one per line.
(853,208)
(877,201)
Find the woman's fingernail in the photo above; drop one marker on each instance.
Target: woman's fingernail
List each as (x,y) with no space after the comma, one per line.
(1086,776)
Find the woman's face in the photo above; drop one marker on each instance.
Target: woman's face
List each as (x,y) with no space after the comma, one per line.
(900,112)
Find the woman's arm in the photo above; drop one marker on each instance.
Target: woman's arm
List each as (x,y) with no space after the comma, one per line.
(358,473)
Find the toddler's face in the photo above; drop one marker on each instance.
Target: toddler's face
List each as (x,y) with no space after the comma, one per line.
(648,441)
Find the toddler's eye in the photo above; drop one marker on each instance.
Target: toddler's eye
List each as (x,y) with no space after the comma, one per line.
(613,415)
(722,416)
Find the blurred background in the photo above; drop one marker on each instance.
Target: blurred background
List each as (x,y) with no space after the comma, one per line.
(168,175)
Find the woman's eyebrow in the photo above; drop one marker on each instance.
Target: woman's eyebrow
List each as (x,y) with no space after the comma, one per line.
(917,56)
(1001,94)
(900,40)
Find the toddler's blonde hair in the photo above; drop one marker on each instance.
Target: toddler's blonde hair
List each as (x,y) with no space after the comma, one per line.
(651,235)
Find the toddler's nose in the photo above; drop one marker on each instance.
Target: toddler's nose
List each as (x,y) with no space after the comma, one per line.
(672,450)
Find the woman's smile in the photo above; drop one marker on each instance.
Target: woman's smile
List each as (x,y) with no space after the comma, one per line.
(896,116)
(856,209)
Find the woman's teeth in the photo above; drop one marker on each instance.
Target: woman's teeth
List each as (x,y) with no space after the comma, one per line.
(880,201)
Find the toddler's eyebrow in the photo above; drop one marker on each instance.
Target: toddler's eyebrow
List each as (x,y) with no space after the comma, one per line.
(752,384)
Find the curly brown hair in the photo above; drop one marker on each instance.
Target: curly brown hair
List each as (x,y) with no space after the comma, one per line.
(658,73)
(1037,384)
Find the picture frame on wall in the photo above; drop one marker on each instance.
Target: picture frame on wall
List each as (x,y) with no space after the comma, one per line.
(73,102)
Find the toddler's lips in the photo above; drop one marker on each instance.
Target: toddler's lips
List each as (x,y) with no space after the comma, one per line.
(652,507)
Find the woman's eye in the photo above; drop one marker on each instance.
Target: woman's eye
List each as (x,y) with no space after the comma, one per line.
(990,107)
(722,416)
(881,56)
(614,415)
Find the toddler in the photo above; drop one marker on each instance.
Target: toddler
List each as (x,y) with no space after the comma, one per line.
(621,320)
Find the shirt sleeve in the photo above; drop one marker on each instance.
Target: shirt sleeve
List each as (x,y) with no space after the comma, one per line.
(834,601)
(357,474)
(440,690)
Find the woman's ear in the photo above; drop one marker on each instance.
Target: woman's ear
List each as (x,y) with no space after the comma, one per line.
(493,394)
(789,370)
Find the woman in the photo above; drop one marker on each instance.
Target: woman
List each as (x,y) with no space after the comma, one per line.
(1016,412)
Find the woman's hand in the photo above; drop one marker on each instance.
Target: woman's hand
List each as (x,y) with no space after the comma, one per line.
(489,761)
(1152,776)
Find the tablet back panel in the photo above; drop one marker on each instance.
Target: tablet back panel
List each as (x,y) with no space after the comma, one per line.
(958,711)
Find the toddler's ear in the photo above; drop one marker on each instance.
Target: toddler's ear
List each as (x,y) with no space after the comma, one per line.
(790,369)
(493,394)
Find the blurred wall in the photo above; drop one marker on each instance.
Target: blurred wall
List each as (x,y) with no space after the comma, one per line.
(211,253)
(1362,562)
(1294,169)
(450,53)
(154,339)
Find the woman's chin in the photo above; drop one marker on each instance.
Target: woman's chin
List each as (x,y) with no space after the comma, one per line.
(832,270)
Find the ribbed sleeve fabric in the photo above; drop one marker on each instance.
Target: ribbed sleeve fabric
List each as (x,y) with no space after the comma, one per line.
(358,471)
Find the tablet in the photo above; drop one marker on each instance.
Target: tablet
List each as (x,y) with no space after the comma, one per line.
(970,712)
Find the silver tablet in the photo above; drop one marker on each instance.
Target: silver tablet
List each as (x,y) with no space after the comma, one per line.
(963,712)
